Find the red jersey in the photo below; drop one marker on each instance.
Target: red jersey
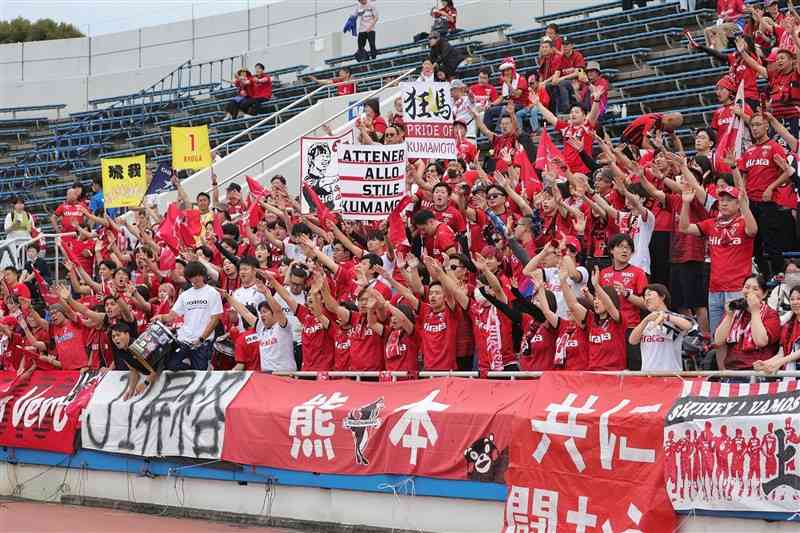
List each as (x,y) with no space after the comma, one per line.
(346,88)
(466,150)
(642,125)
(69,343)
(451,217)
(443,239)
(758,166)
(743,352)
(723,116)
(492,332)
(366,346)
(743,73)
(784,93)
(437,337)
(537,349)
(71,216)
(572,348)
(483,94)
(505,147)
(317,341)
(731,252)
(582,133)
(401,351)
(341,348)
(607,343)
(549,65)
(247,349)
(261,87)
(633,278)
(519,83)
(571,63)
(683,246)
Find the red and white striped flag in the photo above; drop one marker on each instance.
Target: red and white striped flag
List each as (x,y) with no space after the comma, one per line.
(733,137)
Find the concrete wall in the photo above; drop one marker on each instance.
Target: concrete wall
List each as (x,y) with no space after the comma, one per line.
(279,35)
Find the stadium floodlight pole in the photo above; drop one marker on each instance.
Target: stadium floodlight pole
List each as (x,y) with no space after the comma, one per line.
(297,102)
(370,96)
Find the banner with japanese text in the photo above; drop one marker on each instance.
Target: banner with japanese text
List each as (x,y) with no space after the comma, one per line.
(319,169)
(586,456)
(428,115)
(447,428)
(372,179)
(732,448)
(42,411)
(190,148)
(124,180)
(181,414)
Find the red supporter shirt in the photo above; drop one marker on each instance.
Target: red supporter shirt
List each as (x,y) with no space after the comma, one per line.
(581,133)
(522,86)
(71,216)
(631,277)
(466,150)
(366,346)
(341,347)
(574,344)
(744,352)
(483,94)
(537,349)
(607,343)
(70,345)
(723,116)
(784,93)
(758,166)
(731,252)
(451,217)
(741,72)
(505,147)
(437,337)
(491,329)
(548,65)
(683,246)
(345,89)
(318,345)
(571,63)
(637,130)
(262,87)
(247,349)
(443,239)
(401,351)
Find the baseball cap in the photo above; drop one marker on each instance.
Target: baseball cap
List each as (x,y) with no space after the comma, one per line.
(566,40)
(573,241)
(726,82)
(730,191)
(457,84)
(593,65)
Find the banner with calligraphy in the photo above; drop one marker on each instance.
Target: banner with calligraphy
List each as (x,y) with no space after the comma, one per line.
(586,456)
(372,179)
(428,115)
(181,414)
(319,169)
(733,448)
(124,180)
(447,428)
(42,411)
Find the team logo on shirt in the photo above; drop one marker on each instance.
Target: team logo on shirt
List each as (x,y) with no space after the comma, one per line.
(360,421)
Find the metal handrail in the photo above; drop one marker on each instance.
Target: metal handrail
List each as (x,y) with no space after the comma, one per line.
(370,96)
(298,101)
(538,374)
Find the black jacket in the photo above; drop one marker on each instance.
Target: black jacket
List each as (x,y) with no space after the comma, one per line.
(446,57)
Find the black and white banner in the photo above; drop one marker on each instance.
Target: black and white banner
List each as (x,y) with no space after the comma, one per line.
(181,414)
(320,170)
(733,449)
(372,178)
(428,114)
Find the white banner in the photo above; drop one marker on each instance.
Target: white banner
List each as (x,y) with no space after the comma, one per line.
(372,178)
(181,414)
(428,115)
(319,168)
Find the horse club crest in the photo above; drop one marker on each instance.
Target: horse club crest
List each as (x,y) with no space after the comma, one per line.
(485,462)
(360,421)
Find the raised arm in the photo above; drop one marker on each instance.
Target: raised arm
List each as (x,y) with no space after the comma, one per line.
(578,311)
(448,282)
(240,308)
(281,290)
(481,126)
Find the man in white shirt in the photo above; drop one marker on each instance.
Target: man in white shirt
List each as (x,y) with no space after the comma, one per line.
(297,288)
(276,346)
(201,309)
(247,293)
(367,15)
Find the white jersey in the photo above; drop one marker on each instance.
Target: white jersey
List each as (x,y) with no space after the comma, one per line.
(640,229)
(297,328)
(248,296)
(553,284)
(661,347)
(196,306)
(276,348)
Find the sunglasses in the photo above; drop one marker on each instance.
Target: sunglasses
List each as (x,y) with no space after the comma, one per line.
(456,267)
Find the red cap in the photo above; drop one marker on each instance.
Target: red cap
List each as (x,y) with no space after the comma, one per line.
(730,191)
(573,241)
(490,251)
(727,83)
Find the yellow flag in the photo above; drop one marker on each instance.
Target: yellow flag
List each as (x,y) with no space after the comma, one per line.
(124,181)
(190,148)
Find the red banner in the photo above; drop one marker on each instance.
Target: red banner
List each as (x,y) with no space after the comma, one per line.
(589,456)
(447,428)
(42,412)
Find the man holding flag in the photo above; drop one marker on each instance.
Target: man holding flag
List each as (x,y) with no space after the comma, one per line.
(727,121)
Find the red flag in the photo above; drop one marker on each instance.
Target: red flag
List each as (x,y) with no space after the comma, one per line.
(166,260)
(732,137)
(546,151)
(168,226)
(256,189)
(528,177)
(254,213)
(323,213)
(191,219)
(397,230)
(217,223)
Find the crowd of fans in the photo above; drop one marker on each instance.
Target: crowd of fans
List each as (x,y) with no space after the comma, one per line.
(597,256)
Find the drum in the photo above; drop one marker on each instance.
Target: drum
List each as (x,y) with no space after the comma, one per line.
(154,345)
(223,357)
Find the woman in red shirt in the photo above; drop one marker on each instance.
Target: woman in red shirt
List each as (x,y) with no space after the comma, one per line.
(244,92)
(790,341)
(751,329)
(603,323)
(538,346)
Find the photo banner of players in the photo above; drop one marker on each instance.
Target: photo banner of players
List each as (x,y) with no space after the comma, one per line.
(319,169)
(444,428)
(585,456)
(42,412)
(372,179)
(124,180)
(428,115)
(733,448)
